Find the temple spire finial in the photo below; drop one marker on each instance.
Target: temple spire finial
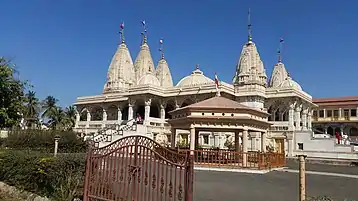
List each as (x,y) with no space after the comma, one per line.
(197,66)
(144,33)
(161,48)
(121,32)
(249,26)
(279,51)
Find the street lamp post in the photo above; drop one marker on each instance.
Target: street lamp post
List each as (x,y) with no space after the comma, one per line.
(57,138)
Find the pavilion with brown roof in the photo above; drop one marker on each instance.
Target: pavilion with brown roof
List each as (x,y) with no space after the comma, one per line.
(219,114)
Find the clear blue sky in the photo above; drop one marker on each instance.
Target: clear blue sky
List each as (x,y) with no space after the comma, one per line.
(64,47)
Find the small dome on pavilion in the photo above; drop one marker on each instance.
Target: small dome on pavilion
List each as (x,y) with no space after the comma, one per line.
(289,83)
(197,77)
(149,79)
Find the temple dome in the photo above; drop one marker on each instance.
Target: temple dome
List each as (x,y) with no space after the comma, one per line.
(163,74)
(149,79)
(143,62)
(289,83)
(279,75)
(197,77)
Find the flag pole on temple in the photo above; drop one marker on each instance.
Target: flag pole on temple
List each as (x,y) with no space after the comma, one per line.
(217,85)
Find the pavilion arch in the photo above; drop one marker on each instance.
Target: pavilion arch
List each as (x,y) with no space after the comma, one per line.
(97,113)
(124,111)
(337,130)
(154,109)
(169,107)
(353,131)
(330,130)
(187,102)
(83,114)
(112,112)
(139,109)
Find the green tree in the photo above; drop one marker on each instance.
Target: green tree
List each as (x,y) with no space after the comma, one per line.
(70,117)
(11,95)
(31,109)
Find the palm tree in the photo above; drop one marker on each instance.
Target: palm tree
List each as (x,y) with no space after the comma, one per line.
(70,117)
(49,106)
(57,119)
(51,111)
(31,108)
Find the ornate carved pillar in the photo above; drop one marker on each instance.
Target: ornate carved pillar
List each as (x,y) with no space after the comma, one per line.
(104,118)
(162,111)
(298,117)
(192,139)
(304,118)
(88,118)
(119,115)
(174,139)
(147,103)
(130,109)
(263,141)
(290,116)
(245,141)
(309,119)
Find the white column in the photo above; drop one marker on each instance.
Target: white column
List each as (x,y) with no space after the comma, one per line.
(119,115)
(88,119)
(263,141)
(192,140)
(298,117)
(309,120)
(245,141)
(357,111)
(104,118)
(340,113)
(291,116)
(304,118)
(148,102)
(324,113)
(77,119)
(173,143)
(130,110)
(162,111)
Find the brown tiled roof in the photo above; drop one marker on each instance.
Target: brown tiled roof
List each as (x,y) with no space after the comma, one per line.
(218,102)
(338,99)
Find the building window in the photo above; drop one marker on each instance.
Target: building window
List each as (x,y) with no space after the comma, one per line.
(315,113)
(206,139)
(346,113)
(232,115)
(335,113)
(300,146)
(223,114)
(202,113)
(329,113)
(213,114)
(353,112)
(321,113)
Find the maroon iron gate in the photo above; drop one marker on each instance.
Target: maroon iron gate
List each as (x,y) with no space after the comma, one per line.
(136,168)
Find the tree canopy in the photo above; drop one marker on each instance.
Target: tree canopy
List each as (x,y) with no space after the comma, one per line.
(11,95)
(19,106)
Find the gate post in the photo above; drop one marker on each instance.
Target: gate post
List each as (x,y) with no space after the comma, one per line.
(189,178)
(88,172)
(302,181)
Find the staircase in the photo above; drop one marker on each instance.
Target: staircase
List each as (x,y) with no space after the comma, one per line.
(112,132)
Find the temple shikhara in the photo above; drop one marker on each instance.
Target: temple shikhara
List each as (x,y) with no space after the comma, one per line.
(256,112)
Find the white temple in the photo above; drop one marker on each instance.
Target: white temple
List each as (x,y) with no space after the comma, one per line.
(140,88)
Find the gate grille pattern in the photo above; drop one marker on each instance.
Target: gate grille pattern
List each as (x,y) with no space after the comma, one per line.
(136,168)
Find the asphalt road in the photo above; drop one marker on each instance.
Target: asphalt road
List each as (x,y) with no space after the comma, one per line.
(273,186)
(292,164)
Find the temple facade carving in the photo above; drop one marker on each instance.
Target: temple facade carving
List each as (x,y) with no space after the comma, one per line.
(140,89)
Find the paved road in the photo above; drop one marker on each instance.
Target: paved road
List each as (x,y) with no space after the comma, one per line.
(292,164)
(274,186)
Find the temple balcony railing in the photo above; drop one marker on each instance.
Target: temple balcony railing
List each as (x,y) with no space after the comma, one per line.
(335,119)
